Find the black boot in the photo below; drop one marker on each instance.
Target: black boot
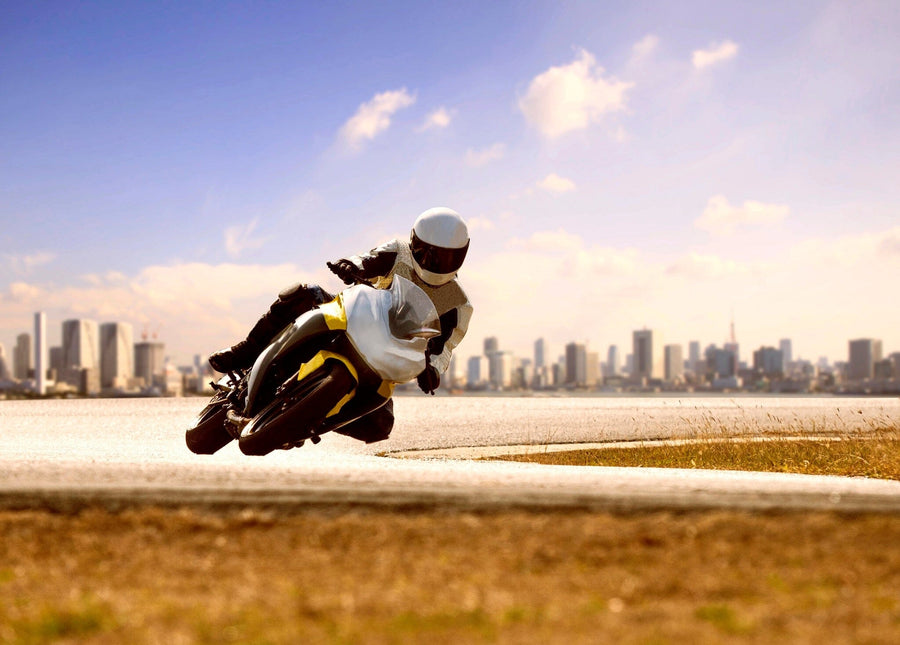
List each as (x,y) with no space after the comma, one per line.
(239,356)
(291,303)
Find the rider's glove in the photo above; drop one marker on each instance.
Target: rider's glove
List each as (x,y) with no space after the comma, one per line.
(345,270)
(429,380)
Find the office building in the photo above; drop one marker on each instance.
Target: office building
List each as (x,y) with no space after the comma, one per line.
(674,363)
(720,363)
(769,361)
(149,361)
(81,344)
(576,365)
(476,372)
(787,354)
(864,353)
(5,372)
(694,357)
(613,361)
(116,354)
(648,357)
(40,352)
(540,353)
(500,369)
(491,345)
(23,357)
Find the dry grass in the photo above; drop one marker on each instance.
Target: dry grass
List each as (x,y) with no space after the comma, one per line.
(181,577)
(875,454)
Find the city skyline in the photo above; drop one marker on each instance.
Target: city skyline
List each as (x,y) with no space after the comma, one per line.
(621,165)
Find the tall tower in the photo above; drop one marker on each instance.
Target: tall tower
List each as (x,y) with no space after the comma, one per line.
(863,354)
(116,353)
(787,354)
(649,361)
(540,353)
(81,344)
(694,356)
(149,360)
(23,357)
(733,346)
(40,352)
(613,361)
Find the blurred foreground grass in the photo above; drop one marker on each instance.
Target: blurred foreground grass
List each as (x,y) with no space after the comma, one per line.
(874,454)
(152,576)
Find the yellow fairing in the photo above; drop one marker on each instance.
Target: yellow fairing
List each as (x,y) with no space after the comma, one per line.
(335,314)
(318,361)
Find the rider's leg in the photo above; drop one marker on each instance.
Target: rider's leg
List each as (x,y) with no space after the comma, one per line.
(375,426)
(293,301)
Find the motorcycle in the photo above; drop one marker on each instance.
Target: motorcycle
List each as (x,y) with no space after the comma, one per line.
(335,364)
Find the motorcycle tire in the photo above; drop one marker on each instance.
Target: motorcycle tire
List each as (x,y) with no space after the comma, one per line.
(209,433)
(276,426)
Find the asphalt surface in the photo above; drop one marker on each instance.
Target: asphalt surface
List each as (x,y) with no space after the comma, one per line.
(68,455)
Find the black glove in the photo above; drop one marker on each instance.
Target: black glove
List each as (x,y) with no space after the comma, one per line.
(429,380)
(345,270)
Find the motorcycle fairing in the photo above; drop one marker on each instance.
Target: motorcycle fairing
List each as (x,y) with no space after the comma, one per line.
(318,361)
(309,325)
(372,327)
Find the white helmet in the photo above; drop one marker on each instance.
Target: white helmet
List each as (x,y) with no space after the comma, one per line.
(439,242)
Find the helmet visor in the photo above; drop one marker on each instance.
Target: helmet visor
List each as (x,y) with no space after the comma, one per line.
(437,259)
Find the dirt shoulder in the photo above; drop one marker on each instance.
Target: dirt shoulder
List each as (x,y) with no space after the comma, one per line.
(151,575)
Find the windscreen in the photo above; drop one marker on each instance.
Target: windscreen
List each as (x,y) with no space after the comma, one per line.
(412,312)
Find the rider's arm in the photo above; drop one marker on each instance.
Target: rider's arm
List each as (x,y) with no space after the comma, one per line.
(376,263)
(454,325)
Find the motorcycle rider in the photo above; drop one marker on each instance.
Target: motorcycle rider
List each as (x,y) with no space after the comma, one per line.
(430,259)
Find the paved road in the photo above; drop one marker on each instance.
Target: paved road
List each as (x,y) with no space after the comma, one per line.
(64,455)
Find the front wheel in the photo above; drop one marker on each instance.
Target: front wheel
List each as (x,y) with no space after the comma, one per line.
(209,433)
(283,423)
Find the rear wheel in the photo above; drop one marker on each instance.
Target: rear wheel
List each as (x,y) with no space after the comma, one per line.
(284,423)
(209,433)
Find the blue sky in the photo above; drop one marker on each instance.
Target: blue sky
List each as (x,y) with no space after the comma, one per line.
(622,164)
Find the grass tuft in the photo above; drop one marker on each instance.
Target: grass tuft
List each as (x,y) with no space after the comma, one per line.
(875,455)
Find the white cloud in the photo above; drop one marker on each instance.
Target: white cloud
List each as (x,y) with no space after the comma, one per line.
(374,117)
(478,158)
(572,97)
(645,46)
(555,184)
(721,218)
(239,238)
(23,264)
(715,53)
(438,119)
(479,224)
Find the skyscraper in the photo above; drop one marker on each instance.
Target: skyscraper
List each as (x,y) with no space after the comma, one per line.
(5,373)
(613,360)
(864,353)
(40,352)
(576,365)
(116,354)
(674,368)
(491,345)
(540,353)
(23,357)
(149,360)
(787,354)
(694,357)
(81,344)
(475,372)
(649,361)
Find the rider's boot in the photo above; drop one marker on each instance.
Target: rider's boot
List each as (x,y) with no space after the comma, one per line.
(292,302)
(242,355)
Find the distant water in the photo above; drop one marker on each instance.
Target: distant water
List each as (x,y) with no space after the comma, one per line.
(101,428)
